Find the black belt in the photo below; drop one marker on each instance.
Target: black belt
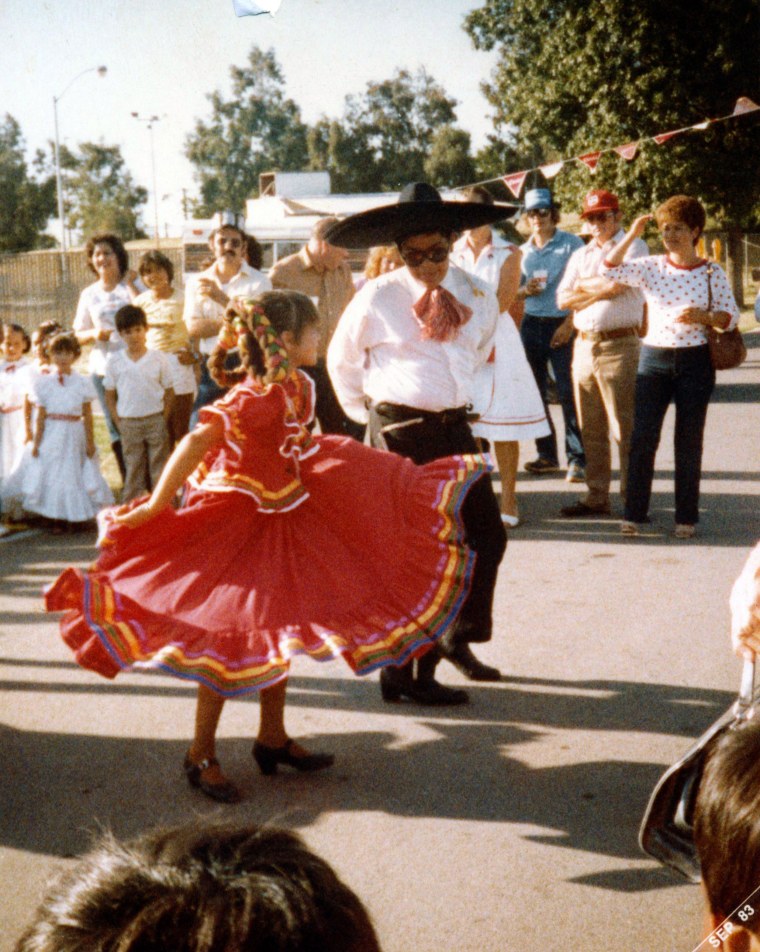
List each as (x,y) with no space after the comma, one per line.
(398,413)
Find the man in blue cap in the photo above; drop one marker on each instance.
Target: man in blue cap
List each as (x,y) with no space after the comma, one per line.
(546,335)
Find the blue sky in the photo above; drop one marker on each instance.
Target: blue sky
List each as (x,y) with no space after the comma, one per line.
(164,56)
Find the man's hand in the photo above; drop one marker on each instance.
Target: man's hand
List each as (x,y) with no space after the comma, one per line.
(564,333)
(210,289)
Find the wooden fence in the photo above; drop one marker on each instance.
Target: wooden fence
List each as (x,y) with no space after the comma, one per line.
(37,286)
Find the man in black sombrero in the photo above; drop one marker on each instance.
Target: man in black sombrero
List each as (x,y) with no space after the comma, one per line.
(403,358)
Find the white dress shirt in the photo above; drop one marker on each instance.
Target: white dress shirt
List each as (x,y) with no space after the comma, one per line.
(378,351)
(96,310)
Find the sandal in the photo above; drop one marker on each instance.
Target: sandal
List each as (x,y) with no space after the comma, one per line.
(685,531)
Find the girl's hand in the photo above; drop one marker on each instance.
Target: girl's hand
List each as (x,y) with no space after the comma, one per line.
(35,451)
(103,334)
(639,225)
(90,450)
(135,517)
(185,357)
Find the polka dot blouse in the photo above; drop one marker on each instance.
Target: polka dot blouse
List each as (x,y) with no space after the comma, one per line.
(669,289)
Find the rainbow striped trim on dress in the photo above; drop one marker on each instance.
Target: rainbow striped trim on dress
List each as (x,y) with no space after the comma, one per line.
(366,644)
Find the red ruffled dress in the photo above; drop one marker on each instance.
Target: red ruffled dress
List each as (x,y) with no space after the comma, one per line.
(286,544)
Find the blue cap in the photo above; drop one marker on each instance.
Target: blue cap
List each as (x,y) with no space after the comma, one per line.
(538,198)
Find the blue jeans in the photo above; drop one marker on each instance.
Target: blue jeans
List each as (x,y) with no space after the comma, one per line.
(536,334)
(686,376)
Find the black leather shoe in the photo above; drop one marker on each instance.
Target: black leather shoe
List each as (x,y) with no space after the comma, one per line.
(464,660)
(269,757)
(437,695)
(224,792)
(397,683)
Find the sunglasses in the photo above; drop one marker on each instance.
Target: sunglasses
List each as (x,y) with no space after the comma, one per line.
(539,212)
(414,259)
(598,217)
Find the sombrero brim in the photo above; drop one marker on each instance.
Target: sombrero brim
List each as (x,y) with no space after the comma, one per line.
(388,223)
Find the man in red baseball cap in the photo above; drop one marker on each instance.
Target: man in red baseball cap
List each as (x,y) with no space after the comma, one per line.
(606,318)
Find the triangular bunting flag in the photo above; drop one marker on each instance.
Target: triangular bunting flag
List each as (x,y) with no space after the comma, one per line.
(249,8)
(627,151)
(664,136)
(590,160)
(549,171)
(744,104)
(702,125)
(515,182)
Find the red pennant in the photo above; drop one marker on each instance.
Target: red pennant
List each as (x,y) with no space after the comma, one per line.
(590,160)
(744,104)
(627,151)
(664,136)
(515,182)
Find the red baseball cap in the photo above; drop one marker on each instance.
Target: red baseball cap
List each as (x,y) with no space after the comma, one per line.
(600,200)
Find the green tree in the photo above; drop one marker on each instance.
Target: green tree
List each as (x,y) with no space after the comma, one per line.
(573,77)
(100,193)
(449,161)
(385,134)
(26,203)
(258,129)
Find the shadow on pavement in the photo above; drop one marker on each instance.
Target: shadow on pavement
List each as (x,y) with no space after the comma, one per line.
(478,763)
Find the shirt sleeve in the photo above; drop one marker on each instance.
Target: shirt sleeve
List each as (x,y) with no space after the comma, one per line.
(165,375)
(83,318)
(634,274)
(88,389)
(572,271)
(109,378)
(191,309)
(346,355)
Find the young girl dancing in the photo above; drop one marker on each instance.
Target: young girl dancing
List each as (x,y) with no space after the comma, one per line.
(62,480)
(285,544)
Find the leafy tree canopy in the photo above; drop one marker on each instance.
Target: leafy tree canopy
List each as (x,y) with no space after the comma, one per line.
(258,129)
(101,194)
(25,203)
(575,76)
(386,134)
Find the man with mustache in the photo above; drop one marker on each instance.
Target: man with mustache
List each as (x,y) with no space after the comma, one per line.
(208,294)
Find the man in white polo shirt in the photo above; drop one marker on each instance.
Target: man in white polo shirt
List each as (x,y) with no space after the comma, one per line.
(606,319)
(208,293)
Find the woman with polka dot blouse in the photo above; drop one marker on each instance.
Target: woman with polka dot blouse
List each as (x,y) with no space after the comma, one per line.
(685,294)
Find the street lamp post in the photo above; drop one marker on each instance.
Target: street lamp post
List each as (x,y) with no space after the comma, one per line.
(101,71)
(150,120)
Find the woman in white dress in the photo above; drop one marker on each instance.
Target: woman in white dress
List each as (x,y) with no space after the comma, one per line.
(63,481)
(508,401)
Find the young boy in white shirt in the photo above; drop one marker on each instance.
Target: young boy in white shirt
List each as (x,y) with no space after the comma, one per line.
(139,395)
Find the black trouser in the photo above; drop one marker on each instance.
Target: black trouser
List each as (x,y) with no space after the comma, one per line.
(327,409)
(448,434)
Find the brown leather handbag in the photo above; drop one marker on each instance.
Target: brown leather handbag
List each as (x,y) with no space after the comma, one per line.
(727,348)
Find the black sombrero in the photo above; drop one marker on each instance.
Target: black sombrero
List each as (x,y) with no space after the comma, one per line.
(419,209)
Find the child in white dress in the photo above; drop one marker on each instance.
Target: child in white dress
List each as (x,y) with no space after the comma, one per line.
(63,482)
(13,383)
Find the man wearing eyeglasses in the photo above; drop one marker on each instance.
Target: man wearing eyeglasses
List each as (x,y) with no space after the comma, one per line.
(606,318)
(208,294)
(545,257)
(403,358)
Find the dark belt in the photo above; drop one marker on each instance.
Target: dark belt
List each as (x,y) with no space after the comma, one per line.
(596,336)
(398,413)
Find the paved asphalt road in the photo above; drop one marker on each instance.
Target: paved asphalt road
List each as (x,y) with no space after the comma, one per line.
(509,824)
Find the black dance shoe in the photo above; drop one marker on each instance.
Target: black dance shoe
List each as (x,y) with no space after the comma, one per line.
(224,792)
(269,757)
(396,683)
(464,660)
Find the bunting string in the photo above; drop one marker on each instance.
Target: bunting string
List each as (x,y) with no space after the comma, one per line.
(516,180)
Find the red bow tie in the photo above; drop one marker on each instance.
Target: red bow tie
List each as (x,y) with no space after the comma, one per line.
(440,314)
(61,379)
